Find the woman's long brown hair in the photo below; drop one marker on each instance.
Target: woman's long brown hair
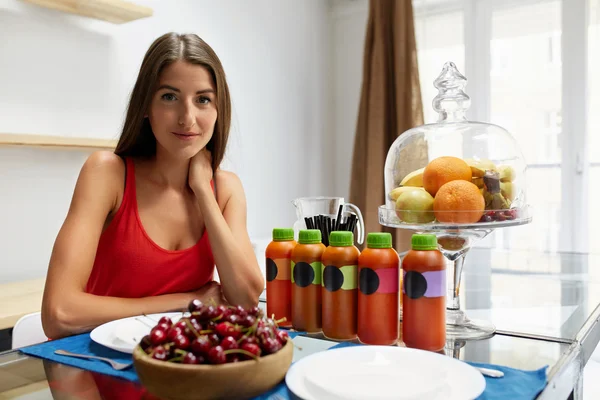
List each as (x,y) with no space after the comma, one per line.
(137,138)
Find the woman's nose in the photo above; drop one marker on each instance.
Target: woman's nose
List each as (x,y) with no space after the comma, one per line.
(186,117)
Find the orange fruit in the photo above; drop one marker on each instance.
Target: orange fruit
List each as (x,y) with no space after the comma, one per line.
(458,202)
(443,170)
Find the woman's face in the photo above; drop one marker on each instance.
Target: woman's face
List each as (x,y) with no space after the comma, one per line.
(183,110)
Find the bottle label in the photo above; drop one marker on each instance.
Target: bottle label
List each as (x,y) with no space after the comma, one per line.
(424,284)
(344,278)
(305,274)
(278,268)
(380,280)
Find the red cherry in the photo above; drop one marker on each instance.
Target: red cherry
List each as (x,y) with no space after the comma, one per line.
(228,329)
(166,320)
(283,337)
(249,340)
(158,336)
(233,358)
(201,345)
(214,338)
(212,312)
(233,318)
(159,353)
(195,305)
(216,355)
(247,321)
(190,358)
(145,343)
(173,332)
(255,311)
(251,348)
(241,312)
(181,342)
(229,343)
(164,326)
(271,346)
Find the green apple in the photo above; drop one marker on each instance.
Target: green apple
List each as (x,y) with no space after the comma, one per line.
(415,206)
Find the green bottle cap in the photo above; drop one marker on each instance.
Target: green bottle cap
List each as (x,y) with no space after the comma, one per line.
(309,236)
(341,238)
(379,240)
(424,242)
(283,234)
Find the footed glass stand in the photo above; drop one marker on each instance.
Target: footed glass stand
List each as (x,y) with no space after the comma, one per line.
(454,241)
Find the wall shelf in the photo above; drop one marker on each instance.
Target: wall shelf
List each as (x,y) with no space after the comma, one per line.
(115,11)
(57,142)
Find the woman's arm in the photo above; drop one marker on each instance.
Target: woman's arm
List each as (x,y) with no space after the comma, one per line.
(66,308)
(241,279)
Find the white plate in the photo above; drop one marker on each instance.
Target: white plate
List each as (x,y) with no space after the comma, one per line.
(124,334)
(383,373)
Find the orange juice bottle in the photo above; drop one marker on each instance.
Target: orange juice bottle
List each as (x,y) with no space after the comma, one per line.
(378,291)
(424,295)
(340,286)
(306,281)
(279,271)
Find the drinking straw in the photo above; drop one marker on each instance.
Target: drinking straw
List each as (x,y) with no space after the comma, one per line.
(339,217)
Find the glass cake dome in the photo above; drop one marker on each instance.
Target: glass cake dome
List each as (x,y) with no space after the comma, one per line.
(422,163)
(459,180)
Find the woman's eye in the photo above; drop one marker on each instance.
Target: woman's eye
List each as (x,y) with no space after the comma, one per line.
(203,100)
(168,97)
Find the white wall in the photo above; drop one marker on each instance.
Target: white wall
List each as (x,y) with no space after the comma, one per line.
(68,75)
(349,20)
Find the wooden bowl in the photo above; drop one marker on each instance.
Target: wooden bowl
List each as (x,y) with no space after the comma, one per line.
(243,379)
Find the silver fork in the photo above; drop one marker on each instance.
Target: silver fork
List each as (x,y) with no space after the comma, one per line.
(116,365)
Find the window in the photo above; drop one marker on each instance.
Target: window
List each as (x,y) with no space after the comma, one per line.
(517,79)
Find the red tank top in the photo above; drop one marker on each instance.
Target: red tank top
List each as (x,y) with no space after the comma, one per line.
(130,264)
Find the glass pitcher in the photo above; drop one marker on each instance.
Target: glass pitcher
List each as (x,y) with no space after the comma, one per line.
(309,207)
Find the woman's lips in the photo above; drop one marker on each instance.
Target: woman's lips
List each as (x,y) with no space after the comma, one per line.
(185,135)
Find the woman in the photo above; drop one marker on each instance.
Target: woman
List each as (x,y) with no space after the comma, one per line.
(148,223)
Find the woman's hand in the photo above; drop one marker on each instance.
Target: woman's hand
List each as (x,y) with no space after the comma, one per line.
(200,172)
(210,292)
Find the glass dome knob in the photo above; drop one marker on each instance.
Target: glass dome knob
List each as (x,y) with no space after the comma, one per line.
(451,101)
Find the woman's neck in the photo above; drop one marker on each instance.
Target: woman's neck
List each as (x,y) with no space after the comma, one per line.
(169,171)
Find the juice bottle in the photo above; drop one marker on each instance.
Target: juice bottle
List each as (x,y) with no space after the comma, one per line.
(279,271)
(306,281)
(378,291)
(340,286)
(424,295)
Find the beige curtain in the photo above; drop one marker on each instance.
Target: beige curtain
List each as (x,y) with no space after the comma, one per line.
(390,104)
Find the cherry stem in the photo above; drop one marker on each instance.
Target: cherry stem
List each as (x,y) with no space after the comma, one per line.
(189,324)
(182,352)
(176,359)
(240,351)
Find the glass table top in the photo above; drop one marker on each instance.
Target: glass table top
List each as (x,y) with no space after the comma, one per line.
(533,293)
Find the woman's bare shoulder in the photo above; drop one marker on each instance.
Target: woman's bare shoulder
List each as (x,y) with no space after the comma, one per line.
(103,173)
(228,185)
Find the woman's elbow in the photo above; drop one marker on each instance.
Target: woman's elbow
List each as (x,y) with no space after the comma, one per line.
(55,321)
